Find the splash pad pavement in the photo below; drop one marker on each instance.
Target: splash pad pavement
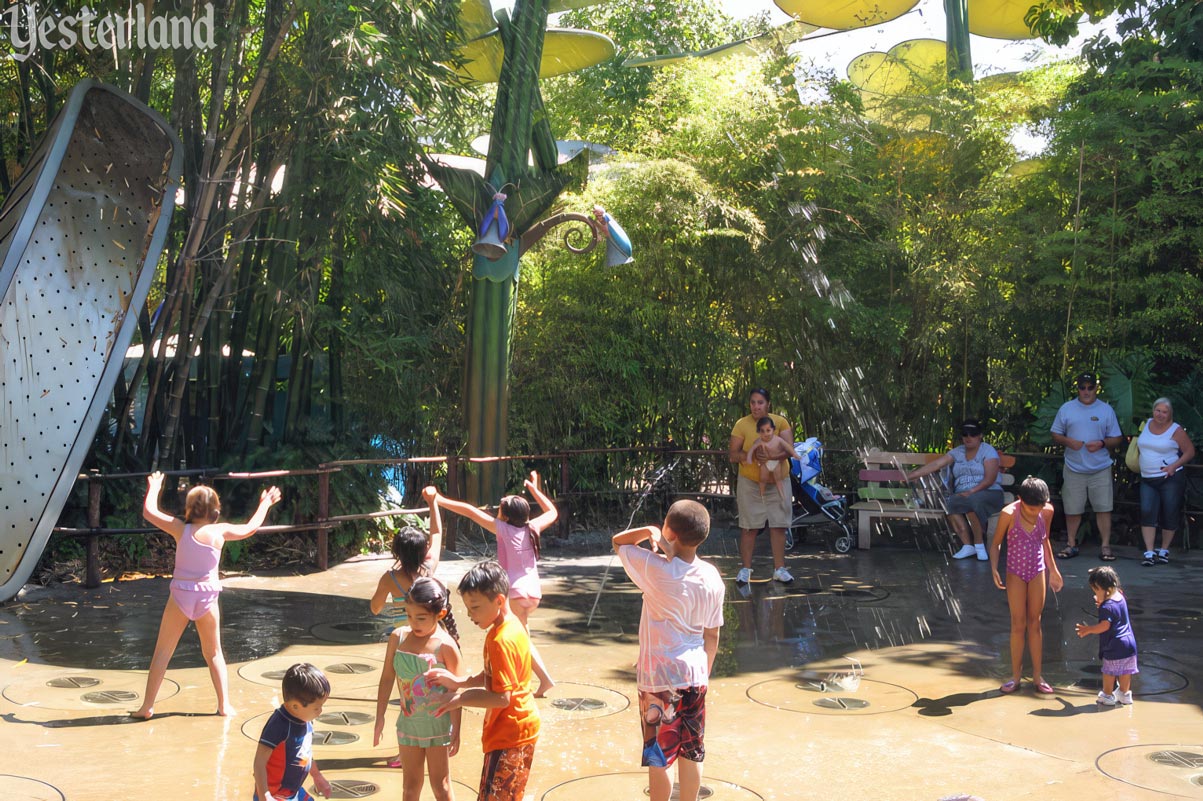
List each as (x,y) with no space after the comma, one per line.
(873,675)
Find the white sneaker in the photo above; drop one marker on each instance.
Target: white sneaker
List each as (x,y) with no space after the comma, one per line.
(965,552)
(1105,699)
(782,575)
(1124,698)
(982,556)
(744,575)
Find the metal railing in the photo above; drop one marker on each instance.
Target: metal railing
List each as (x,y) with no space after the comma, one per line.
(603,479)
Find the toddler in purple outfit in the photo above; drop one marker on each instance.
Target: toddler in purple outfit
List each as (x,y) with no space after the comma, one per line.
(1117,643)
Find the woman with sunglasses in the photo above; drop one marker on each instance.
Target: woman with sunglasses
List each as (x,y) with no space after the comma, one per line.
(977,492)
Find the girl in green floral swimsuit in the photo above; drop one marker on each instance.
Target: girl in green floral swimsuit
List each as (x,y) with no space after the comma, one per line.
(430,640)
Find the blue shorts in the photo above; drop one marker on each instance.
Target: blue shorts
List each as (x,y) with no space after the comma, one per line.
(1161,501)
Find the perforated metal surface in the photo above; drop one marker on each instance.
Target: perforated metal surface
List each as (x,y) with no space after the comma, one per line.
(82,230)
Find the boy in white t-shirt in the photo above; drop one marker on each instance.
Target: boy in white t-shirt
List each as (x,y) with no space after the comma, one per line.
(678,640)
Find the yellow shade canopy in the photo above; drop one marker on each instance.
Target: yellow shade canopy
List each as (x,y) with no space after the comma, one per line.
(476,18)
(781,36)
(913,67)
(564,50)
(1000,19)
(843,15)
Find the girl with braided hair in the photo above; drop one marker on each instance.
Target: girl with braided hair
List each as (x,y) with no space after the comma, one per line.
(430,640)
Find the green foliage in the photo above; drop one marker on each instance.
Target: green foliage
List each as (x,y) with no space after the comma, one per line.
(599,104)
(1129,388)
(606,343)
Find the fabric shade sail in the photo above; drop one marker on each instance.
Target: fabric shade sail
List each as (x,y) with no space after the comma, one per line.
(564,50)
(843,15)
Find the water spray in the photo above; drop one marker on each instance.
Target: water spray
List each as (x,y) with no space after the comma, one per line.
(650,483)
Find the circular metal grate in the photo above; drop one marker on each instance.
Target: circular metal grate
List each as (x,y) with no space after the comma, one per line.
(349,668)
(346,718)
(334,738)
(352,788)
(842,703)
(111,697)
(73,682)
(579,704)
(1177,759)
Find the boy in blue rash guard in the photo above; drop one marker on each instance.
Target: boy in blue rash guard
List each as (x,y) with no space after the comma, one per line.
(284,758)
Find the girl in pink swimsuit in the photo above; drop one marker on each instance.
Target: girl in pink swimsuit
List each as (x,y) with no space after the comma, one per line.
(195,584)
(517,550)
(1025,525)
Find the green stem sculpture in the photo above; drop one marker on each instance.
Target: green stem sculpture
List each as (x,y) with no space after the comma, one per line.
(519,128)
(959,62)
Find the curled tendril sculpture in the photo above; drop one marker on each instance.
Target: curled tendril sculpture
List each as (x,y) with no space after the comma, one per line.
(572,237)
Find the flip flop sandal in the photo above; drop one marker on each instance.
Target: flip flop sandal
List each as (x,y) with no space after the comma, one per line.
(1069,552)
(1008,688)
(395,763)
(1107,556)
(1044,688)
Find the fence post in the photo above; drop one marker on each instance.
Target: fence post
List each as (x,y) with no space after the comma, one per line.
(323,514)
(565,504)
(92,575)
(451,522)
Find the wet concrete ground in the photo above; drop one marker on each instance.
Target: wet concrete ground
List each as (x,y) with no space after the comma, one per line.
(785,720)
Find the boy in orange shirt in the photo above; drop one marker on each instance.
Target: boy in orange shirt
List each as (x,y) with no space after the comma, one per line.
(511,725)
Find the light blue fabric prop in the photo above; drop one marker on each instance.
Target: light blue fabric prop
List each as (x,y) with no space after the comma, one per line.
(618,236)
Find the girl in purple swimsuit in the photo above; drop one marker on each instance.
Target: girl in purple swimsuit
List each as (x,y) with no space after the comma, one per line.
(1025,526)
(517,550)
(195,584)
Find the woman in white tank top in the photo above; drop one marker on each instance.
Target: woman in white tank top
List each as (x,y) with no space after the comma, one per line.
(1164,450)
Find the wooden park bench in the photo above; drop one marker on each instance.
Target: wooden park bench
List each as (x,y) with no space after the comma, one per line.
(883,494)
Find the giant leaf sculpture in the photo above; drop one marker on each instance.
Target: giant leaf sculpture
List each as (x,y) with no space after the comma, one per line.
(513,49)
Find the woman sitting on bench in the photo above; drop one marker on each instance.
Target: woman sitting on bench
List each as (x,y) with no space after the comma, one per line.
(977,490)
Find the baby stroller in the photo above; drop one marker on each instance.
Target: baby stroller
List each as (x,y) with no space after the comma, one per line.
(814,504)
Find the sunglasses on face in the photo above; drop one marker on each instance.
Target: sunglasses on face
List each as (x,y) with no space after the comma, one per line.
(971,433)
(1089,387)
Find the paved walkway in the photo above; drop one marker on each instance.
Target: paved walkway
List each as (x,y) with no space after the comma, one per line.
(787,717)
